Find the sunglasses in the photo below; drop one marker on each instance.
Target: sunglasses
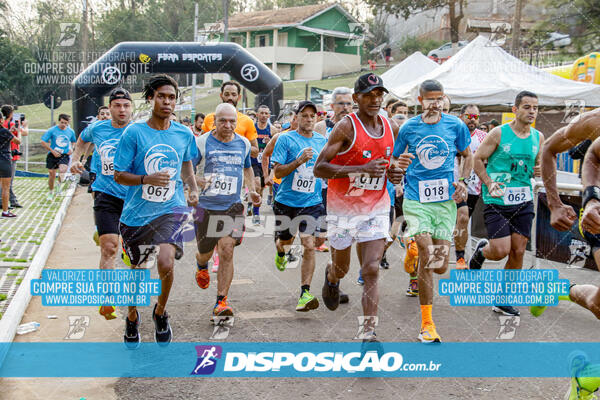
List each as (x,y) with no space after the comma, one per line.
(472,116)
(320,113)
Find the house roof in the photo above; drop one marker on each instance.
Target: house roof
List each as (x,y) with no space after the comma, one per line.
(280,18)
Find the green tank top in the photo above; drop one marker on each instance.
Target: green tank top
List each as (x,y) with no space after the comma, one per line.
(512,164)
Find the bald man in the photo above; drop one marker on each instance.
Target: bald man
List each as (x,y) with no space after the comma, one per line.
(220,181)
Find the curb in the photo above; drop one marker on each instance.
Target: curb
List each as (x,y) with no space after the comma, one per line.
(14,313)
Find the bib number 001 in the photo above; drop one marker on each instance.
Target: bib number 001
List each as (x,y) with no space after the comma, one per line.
(223,185)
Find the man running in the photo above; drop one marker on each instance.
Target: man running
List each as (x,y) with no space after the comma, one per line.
(299,196)
(224,165)
(469,113)
(198,121)
(263,130)
(108,195)
(430,192)
(154,158)
(512,155)
(356,160)
(57,140)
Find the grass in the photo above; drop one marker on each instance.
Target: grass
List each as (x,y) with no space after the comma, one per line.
(2,297)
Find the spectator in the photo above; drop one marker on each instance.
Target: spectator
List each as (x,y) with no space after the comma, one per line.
(388,56)
(6,139)
(484,127)
(399,107)
(321,113)
(20,131)
(198,121)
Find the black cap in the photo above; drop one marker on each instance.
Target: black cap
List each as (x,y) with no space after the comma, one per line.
(303,104)
(367,82)
(118,93)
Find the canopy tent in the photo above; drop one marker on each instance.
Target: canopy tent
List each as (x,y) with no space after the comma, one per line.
(484,74)
(412,67)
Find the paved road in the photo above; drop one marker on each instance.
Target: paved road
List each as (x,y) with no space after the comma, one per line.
(264,300)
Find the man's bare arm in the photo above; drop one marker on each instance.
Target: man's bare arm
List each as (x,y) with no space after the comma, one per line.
(485,150)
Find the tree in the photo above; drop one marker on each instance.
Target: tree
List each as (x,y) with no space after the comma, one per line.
(406,8)
(579,18)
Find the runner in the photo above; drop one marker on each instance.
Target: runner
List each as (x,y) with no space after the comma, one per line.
(57,140)
(299,196)
(355,160)
(263,130)
(224,164)
(512,154)
(469,113)
(198,121)
(108,195)
(430,193)
(153,158)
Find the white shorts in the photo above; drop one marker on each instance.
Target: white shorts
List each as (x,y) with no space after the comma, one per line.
(343,231)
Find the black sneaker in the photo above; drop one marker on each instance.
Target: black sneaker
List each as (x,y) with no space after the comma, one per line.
(163,332)
(344,298)
(132,338)
(506,310)
(16,205)
(330,293)
(291,257)
(384,263)
(477,259)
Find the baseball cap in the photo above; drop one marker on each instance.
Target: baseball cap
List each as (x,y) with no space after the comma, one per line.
(367,82)
(303,104)
(118,93)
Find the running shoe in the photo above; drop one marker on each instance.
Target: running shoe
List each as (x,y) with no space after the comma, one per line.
(413,288)
(162,329)
(290,256)
(322,248)
(256,219)
(506,310)
(202,277)
(307,302)
(281,262)
(108,312)
(270,200)
(132,338)
(124,256)
(8,214)
(412,256)
(222,309)
(96,238)
(360,281)
(50,196)
(576,392)
(344,298)
(536,311)
(461,263)
(477,259)
(384,263)
(249,210)
(429,334)
(330,293)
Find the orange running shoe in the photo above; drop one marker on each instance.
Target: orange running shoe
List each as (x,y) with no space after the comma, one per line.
(429,334)
(412,256)
(222,309)
(461,263)
(202,278)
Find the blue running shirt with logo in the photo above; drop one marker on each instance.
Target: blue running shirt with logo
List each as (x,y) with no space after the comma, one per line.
(222,163)
(145,151)
(105,138)
(430,176)
(59,139)
(300,188)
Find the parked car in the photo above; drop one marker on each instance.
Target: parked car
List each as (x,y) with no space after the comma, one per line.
(557,40)
(446,50)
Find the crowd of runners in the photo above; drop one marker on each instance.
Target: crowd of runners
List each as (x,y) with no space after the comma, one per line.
(362,173)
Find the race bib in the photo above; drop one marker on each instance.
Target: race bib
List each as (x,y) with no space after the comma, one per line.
(222,185)
(259,157)
(108,166)
(517,195)
(368,182)
(303,183)
(433,190)
(158,194)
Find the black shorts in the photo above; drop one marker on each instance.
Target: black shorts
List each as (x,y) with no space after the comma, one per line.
(309,220)
(502,221)
(257,168)
(5,168)
(471,202)
(139,241)
(392,211)
(107,212)
(324,196)
(398,206)
(53,162)
(232,225)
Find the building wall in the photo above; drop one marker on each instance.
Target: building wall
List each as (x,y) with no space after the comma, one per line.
(317,65)
(332,19)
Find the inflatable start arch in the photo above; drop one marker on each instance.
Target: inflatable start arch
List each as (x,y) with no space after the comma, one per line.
(132,58)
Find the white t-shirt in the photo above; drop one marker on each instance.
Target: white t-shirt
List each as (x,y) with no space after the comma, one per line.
(473,183)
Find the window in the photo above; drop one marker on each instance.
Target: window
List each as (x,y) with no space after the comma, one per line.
(282,39)
(329,44)
(239,40)
(261,41)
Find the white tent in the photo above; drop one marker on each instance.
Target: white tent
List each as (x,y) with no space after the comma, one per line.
(484,74)
(412,67)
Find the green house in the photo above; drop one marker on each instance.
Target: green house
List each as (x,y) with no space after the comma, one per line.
(308,42)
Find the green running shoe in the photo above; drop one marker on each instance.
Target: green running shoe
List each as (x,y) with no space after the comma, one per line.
(280,262)
(307,302)
(536,311)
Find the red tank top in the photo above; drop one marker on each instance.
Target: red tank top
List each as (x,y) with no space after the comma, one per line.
(361,194)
